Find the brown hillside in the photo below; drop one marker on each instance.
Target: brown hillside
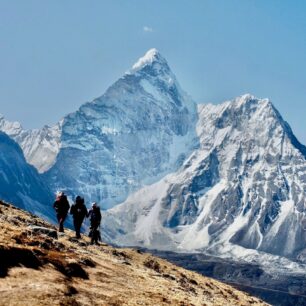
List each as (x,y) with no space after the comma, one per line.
(36,269)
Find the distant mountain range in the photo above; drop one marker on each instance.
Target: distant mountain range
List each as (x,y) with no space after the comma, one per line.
(20,182)
(228,178)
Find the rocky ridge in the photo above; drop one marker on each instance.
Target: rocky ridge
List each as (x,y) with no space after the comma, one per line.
(20,182)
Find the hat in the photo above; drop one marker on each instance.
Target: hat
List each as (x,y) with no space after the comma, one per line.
(59,193)
(94,204)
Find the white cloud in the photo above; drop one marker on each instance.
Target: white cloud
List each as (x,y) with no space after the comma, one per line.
(147,29)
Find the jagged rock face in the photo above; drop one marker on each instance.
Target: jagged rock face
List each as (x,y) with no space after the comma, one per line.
(244,186)
(40,146)
(20,182)
(142,128)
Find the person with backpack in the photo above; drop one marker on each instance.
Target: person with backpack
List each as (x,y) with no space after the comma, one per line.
(61,206)
(78,211)
(95,220)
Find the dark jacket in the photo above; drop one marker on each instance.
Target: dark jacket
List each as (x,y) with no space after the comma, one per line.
(95,216)
(61,205)
(79,210)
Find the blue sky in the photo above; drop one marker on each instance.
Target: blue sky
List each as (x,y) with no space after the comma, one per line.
(57,54)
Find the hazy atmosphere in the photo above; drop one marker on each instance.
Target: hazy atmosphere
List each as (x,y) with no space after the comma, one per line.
(56,55)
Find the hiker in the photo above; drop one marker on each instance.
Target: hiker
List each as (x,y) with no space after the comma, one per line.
(61,206)
(79,211)
(95,220)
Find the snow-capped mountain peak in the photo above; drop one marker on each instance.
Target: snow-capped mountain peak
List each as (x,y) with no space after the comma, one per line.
(141,128)
(154,67)
(151,57)
(264,111)
(40,146)
(10,128)
(244,186)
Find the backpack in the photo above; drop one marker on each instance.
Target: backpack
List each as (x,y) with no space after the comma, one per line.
(95,215)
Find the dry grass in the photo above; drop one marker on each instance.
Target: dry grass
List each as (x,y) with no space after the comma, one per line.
(39,270)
